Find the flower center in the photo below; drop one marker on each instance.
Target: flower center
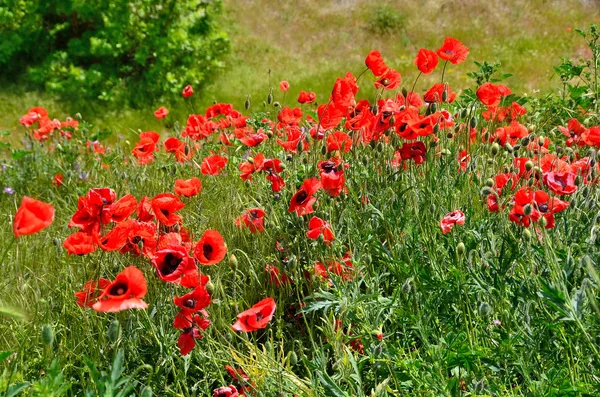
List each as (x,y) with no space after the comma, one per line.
(170,264)
(118,289)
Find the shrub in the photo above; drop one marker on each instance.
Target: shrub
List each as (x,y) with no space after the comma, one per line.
(131,50)
(385,19)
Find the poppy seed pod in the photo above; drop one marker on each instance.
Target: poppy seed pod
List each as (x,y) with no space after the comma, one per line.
(114,331)
(47,335)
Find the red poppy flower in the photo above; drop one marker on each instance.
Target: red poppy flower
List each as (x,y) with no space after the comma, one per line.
(390,80)
(123,208)
(190,303)
(453,50)
(91,292)
(58,180)
(295,140)
(79,243)
(144,210)
(306,97)
(213,165)
(376,63)
(32,217)
(276,276)
(332,176)
(303,200)
(226,391)
(318,227)
(253,219)
(339,141)
(455,217)
(141,239)
(560,182)
(426,61)
(165,206)
(126,292)
(344,92)
(436,94)
(284,86)
(289,117)
(188,187)
(211,248)
(188,91)
(174,265)
(255,318)
(187,339)
(161,113)
(415,151)
(490,94)
(144,150)
(548,206)
(330,115)
(117,237)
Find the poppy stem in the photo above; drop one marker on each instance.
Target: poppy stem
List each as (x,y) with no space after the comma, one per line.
(12,242)
(363,72)
(444,71)
(413,88)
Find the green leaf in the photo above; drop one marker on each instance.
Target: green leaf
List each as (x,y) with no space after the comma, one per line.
(117,367)
(16,389)
(12,313)
(18,154)
(5,355)
(331,388)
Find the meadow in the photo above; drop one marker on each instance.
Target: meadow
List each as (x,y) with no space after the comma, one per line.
(404,216)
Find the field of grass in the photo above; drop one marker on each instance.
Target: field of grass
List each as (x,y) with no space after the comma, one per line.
(447,248)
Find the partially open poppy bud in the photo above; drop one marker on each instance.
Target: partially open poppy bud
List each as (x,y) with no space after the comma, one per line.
(114,331)
(47,335)
(233,262)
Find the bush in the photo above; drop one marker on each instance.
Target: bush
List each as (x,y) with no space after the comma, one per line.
(386,19)
(130,50)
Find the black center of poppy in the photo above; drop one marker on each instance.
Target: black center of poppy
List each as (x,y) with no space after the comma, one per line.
(385,81)
(301,197)
(164,212)
(207,250)
(190,303)
(328,166)
(561,182)
(170,264)
(136,240)
(259,316)
(118,289)
(543,207)
(253,214)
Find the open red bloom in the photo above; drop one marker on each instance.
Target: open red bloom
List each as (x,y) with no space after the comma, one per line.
(306,97)
(436,94)
(187,339)
(165,206)
(213,165)
(320,227)
(390,80)
(455,217)
(332,176)
(117,237)
(188,187)
(413,151)
(226,391)
(123,208)
(344,92)
(284,86)
(32,217)
(257,317)
(560,182)
(453,50)
(79,243)
(174,265)
(126,292)
(91,292)
(190,303)
(144,150)
(188,91)
(253,219)
(426,61)
(376,63)
(303,200)
(58,180)
(490,94)
(161,113)
(339,141)
(211,248)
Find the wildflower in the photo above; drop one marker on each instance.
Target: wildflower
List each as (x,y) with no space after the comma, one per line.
(318,227)
(453,50)
(9,190)
(213,165)
(32,217)
(303,200)
(426,61)
(188,187)
(161,113)
(125,292)
(447,223)
(257,317)
(253,219)
(211,248)
(188,91)
(284,86)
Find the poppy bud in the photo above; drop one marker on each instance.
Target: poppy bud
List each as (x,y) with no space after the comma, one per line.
(446,152)
(140,245)
(323,150)
(305,160)
(433,107)
(250,160)
(527,234)
(56,241)
(479,387)
(210,287)
(300,146)
(489,182)
(379,147)
(436,128)
(485,309)
(529,165)
(516,148)
(276,104)
(289,157)
(293,358)
(146,392)
(277,197)
(264,104)
(270,97)
(392,121)
(460,249)
(233,262)
(404,92)
(78,116)
(47,335)
(449,135)
(541,141)
(374,109)
(445,95)
(527,210)
(463,113)
(543,221)
(525,141)
(485,191)
(247,103)
(114,331)
(495,149)
(578,180)
(268,346)
(473,122)
(508,147)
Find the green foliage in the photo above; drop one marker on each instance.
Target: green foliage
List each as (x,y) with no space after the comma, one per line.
(124,51)
(385,19)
